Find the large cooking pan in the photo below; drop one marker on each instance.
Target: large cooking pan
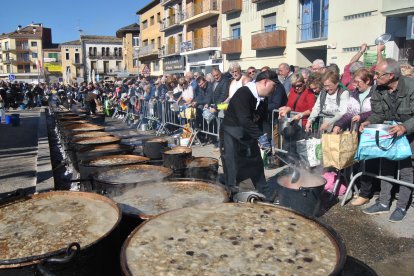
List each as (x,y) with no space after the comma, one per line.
(96,151)
(112,182)
(83,128)
(146,200)
(88,167)
(65,233)
(233,239)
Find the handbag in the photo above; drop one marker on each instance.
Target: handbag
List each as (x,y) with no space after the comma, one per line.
(376,142)
(338,150)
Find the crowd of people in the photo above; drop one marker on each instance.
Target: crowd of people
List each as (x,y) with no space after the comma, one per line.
(314,99)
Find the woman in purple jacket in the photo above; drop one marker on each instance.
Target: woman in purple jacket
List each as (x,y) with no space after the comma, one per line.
(359,109)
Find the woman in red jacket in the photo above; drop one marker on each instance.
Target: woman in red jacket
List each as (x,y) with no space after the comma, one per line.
(300,99)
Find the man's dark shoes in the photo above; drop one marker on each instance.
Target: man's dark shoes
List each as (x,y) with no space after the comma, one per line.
(375,209)
(398,215)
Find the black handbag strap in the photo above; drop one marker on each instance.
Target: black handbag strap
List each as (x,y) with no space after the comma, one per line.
(296,101)
(394,139)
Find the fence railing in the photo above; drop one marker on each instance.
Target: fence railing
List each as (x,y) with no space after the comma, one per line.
(313,31)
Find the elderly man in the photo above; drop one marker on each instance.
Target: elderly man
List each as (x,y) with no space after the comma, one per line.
(238,79)
(219,90)
(393,100)
(285,73)
(242,127)
(318,65)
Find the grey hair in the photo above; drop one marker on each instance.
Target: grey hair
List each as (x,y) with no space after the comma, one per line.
(393,67)
(305,71)
(234,65)
(284,64)
(356,66)
(319,62)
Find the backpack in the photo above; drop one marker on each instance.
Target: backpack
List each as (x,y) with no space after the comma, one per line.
(323,95)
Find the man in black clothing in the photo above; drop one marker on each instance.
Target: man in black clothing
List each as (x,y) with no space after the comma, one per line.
(243,126)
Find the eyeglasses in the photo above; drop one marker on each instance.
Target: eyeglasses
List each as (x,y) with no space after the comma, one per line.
(298,85)
(379,74)
(251,72)
(358,81)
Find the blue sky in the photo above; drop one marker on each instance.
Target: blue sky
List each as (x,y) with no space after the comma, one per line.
(94,17)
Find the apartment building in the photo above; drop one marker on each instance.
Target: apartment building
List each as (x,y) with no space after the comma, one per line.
(202,25)
(73,69)
(151,38)
(130,47)
(102,57)
(52,65)
(264,32)
(173,62)
(21,52)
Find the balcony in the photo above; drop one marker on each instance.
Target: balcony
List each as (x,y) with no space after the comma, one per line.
(230,6)
(169,50)
(268,39)
(165,2)
(198,45)
(20,48)
(170,22)
(231,45)
(148,50)
(111,57)
(316,30)
(201,12)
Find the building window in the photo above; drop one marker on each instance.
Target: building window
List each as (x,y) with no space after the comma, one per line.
(77,59)
(76,50)
(27,68)
(19,67)
(157,65)
(119,65)
(33,43)
(34,67)
(67,50)
(34,55)
(135,63)
(145,24)
(151,20)
(269,22)
(158,17)
(120,52)
(159,42)
(103,51)
(26,57)
(145,42)
(115,51)
(135,41)
(6,45)
(67,56)
(235,31)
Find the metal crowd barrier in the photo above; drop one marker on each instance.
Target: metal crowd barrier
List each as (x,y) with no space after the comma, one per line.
(278,144)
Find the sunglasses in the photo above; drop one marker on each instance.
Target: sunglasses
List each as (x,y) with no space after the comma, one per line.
(298,85)
(251,72)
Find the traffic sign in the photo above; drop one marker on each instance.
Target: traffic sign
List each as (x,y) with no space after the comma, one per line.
(12,77)
(146,70)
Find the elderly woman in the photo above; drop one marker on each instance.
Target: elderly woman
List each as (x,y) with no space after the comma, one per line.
(331,104)
(315,83)
(359,109)
(300,100)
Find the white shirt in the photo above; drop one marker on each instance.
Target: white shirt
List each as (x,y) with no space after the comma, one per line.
(188,94)
(234,86)
(253,89)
